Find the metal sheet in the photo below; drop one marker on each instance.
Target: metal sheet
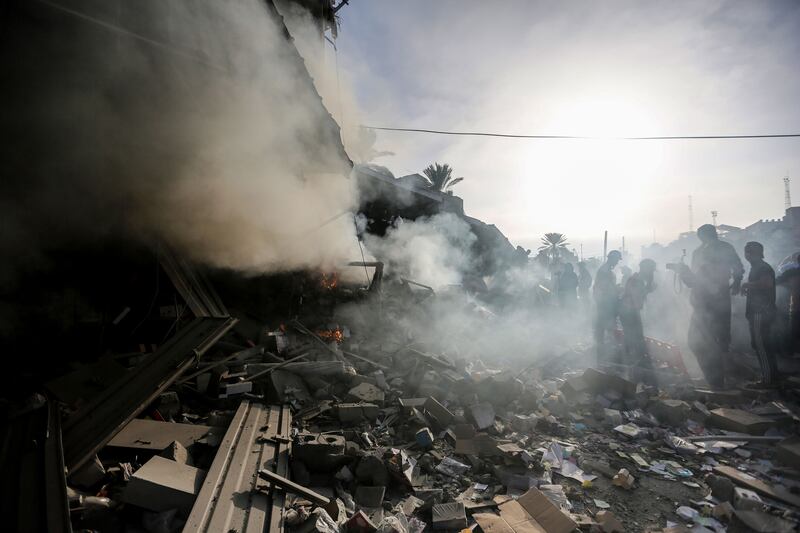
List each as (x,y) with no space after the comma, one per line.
(229,499)
(192,284)
(91,427)
(32,477)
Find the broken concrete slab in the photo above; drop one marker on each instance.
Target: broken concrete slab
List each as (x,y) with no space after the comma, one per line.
(366,392)
(162,484)
(356,412)
(738,420)
(775,492)
(601,383)
(746,499)
(285,386)
(178,453)
(320,452)
(482,414)
(672,412)
(438,411)
(155,435)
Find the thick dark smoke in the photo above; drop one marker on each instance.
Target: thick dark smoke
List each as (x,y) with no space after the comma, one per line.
(192,122)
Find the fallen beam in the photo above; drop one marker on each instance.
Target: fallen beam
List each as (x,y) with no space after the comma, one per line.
(229,499)
(89,428)
(735,438)
(294,488)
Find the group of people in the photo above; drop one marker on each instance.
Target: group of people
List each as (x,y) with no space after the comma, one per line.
(714,276)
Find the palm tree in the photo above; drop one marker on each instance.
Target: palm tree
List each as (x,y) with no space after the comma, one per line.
(440,177)
(553,244)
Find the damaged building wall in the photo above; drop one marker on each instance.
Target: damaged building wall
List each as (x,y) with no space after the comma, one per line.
(133,123)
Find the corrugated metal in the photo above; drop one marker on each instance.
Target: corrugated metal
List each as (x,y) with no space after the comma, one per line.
(229,499)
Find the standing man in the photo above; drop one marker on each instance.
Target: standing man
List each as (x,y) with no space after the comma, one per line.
(606,297)
(638,286)
(713,266)
(760,311)
(584,283)
(568,287)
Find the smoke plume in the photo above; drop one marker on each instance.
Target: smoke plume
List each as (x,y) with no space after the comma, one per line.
(196,123)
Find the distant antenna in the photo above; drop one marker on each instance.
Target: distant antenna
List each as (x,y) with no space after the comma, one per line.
(623,245)
(605,245)
(787,195)
(691,214)
(714,218)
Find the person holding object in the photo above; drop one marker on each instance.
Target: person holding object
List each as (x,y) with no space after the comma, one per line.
(760,311)
(714,264)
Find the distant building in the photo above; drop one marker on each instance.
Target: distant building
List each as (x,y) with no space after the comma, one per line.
(780,237)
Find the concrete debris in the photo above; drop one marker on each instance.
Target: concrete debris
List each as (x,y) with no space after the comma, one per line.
(449,516)
(403,440)
(161,485)
(624,479)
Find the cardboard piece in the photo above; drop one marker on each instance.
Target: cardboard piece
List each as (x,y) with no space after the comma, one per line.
(491,523)
(738,420)
(754,484)
(533,512)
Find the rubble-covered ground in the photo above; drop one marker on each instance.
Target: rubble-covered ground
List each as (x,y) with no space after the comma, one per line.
(390,433)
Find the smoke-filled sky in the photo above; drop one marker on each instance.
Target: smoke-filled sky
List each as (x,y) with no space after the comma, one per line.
(586,68)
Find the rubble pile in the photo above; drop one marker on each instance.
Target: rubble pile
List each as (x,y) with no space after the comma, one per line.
(336,433)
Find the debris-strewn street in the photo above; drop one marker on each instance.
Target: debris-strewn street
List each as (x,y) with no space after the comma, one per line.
(318,429)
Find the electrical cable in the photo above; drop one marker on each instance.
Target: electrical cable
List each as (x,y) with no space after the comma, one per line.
(584,137)
(187,53)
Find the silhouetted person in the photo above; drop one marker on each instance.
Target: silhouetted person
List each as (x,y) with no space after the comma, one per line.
(606,297)
(638,286)
(760,310)
(568,287)
(714,263)
(584,282)
(790,278)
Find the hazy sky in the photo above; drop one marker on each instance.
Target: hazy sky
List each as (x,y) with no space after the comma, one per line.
(586,68)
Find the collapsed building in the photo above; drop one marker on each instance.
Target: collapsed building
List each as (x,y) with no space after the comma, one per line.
(166,377)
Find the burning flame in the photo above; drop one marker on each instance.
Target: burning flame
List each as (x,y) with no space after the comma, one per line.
(336,335)
(329,281)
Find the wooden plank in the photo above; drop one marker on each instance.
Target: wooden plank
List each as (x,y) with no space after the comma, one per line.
(755,484)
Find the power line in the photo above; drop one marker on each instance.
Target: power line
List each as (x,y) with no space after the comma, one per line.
(585,137)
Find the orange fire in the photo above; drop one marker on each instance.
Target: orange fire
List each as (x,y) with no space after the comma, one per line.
(336,335)
(329,281)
